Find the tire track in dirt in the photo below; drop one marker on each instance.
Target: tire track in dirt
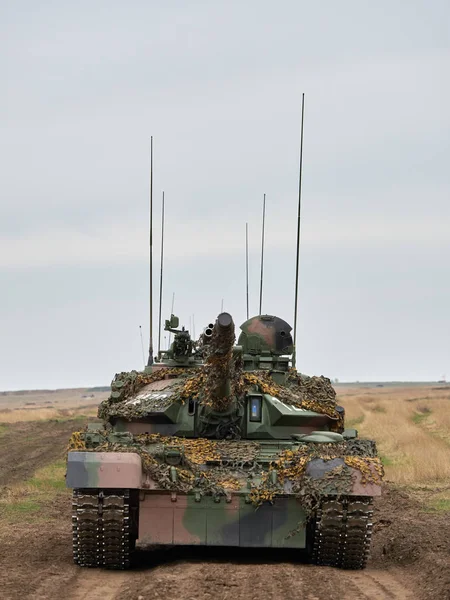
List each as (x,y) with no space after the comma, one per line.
(97,585)
(227,581)
(204,580)
(379,584)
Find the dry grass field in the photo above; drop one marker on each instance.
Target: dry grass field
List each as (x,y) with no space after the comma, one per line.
(411,426)
(42,405)
(410,550)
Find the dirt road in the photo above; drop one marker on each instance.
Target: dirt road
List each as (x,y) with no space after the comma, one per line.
(410,558)
(204,580)
(39,567)
(36,563)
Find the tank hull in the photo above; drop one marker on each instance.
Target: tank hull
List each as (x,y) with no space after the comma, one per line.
(116,505)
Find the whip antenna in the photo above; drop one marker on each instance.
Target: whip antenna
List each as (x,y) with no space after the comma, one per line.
(150,348)
(262,254)
(298,232)
(246,264)
(161,277)
(142,345)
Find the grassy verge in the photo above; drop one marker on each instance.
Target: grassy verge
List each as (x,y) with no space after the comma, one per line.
(27,500)
(46,414)
(432,498)
(440,505)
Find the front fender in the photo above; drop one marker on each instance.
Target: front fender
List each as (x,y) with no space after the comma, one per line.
(103,470)
(319,469)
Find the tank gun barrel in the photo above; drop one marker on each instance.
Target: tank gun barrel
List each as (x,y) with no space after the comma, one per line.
(220,364)
(223,335)
(207,334)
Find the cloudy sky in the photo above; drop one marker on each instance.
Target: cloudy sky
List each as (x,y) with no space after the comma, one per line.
(218,84)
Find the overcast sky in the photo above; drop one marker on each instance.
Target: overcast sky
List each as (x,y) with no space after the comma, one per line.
(218,84)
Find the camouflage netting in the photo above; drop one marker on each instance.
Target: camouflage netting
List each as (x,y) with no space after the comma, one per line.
(310,393)
(292,465)
(218,467)
(228,458)
(126,385)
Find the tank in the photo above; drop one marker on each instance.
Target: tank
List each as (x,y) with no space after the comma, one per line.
(223,444)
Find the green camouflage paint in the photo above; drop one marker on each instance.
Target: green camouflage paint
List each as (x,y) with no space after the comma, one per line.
(104,470)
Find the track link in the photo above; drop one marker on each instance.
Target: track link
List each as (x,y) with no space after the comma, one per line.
(342,533)
(104,534)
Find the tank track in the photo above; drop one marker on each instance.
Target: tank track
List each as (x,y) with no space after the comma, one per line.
(342,533)
(104,534)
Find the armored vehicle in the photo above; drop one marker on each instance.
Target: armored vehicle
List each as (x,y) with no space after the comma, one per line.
(222,445)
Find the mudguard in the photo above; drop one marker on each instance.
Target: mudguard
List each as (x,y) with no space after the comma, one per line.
(103,470)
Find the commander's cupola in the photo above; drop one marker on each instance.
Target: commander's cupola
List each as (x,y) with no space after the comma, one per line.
(267,344)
